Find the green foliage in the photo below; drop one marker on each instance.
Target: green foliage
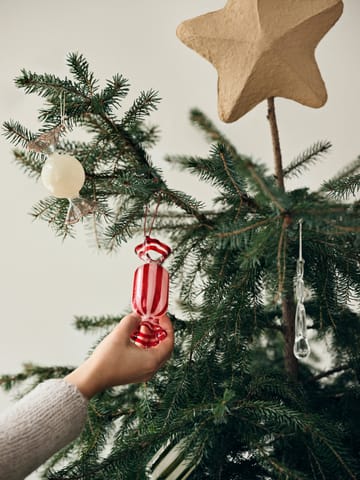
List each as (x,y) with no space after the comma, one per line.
(307,158)
(343,187)
(225,402)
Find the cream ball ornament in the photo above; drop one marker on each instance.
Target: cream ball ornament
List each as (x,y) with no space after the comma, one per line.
(63,175)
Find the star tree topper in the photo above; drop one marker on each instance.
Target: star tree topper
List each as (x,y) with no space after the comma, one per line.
(263,49)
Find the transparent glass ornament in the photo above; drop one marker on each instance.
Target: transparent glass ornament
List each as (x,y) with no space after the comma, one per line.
(150,292)
(78,208)
(301,344)
(301,348)
(300,290)
(300,268)
(46,141)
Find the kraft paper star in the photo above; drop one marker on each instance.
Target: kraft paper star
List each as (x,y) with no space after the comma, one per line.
(263,49)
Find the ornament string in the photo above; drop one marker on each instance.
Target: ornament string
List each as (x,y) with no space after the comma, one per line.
(300,239)
(301,344)
(62,109)
(147,232)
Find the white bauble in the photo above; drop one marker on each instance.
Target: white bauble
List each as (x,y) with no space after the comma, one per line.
(63,175)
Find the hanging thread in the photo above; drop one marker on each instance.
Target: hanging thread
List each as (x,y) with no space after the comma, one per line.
(147,232)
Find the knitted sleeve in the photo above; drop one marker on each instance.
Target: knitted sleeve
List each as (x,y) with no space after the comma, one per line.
(42,422)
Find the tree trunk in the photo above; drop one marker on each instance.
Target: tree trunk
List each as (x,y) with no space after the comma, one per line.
(288,314)
(287,303)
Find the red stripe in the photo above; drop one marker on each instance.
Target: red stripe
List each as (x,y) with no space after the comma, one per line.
(158,290)
(144,335)
(144,287)
(135,301)
(152,244)
(164,299)
(149,248)
(146,341)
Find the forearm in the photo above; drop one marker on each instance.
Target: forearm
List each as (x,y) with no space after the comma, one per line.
(37,426)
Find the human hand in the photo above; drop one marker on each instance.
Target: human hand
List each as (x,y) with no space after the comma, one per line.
(117,361)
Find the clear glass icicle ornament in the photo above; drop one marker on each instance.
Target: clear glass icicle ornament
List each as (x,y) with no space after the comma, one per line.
(301,343)
(62,174)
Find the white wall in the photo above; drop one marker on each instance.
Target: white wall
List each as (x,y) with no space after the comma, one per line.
(43,282)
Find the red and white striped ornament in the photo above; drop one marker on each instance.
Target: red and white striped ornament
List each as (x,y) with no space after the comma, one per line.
(150,292)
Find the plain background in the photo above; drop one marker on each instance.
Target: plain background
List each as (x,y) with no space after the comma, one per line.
(45,282)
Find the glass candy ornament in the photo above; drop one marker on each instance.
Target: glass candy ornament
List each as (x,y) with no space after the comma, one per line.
(63,175)
(150,292)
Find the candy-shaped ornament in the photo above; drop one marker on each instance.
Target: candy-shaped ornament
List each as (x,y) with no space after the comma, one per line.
(150,292)
(63,175)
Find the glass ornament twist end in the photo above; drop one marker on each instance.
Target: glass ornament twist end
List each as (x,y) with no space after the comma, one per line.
(78,208)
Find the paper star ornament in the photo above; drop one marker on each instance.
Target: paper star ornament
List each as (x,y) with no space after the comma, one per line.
(263,49)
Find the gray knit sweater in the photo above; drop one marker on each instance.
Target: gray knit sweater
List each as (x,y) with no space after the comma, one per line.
(34,428)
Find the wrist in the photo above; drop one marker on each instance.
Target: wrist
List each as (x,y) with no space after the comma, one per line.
(85,379)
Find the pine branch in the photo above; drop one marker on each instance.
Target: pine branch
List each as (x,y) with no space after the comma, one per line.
(342,187)
(146,103)
(230,172)
(53,211)
(266,188)
(213,134)
(30,162)
(51,87)
(250,226)
(330,372)
(143,160)
(7,382)
(116,89)
(124,226)
(308,158)
(79,67)
(87,324)
(186,203)
(349,170)
(17,134)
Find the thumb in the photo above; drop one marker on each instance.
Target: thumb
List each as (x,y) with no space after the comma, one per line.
(128,325)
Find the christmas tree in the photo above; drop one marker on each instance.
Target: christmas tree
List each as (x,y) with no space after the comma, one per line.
(234,402)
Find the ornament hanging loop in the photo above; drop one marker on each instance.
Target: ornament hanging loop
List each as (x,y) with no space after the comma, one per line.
(147,231)
(62,102)
(300,262)
(301,221)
